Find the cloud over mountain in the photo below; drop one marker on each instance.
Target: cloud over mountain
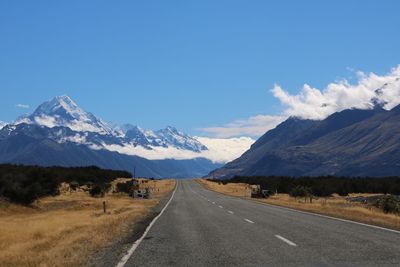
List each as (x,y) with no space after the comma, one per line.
(253,126)
(370,90)
(312,103)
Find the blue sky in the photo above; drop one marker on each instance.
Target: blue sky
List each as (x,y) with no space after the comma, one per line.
(191,64)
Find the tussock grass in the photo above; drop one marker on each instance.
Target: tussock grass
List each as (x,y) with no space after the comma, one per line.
(67,229)
(335,206)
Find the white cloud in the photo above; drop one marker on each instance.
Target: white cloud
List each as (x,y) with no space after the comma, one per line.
(225,150)
(24,106)
(314,103)
(219,150)
(45,120)
(253,126)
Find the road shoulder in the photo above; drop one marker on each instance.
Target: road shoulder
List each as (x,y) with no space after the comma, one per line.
(112,255)
(367,221)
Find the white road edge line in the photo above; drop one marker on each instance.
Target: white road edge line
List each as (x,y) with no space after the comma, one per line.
(220,207)
(247,220)
(231,212)
(125,259)
(332,218)
(313,214)
(287,241)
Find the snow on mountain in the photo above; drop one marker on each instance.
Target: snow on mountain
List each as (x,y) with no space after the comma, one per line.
(63,111)
(179,139)
(141,137)
(64,121)
(218,150)
(168,137)
(2,124)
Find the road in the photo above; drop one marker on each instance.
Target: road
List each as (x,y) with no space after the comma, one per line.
(204,228)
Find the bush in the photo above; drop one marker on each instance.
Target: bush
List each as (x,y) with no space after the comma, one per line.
(389,204)
(300,191)
(323,186)
(24,184)
(124,187)
(99,190)
(74,185)
(20,188)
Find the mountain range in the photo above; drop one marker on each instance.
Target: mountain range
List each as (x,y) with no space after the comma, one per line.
(352,142)
(59,132)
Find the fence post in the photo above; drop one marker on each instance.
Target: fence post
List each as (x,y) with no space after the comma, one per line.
(104,206)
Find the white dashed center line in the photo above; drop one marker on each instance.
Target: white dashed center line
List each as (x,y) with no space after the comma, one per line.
(290,243)
(213,203)
(220,207)
(247,220)
(231,212)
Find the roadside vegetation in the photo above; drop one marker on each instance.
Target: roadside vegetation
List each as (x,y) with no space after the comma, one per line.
(375,201)
(324,185)
(68,226)
(25,184)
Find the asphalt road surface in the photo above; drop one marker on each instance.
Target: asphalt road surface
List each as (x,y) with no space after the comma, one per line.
(204,228)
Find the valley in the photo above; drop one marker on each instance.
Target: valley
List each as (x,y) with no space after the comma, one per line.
(199,133)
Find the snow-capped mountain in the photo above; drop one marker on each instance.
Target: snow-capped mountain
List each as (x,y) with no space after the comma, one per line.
(62,121)
(59,132)
(168,137)
(2,124)
(87,129)
(171,136)
(63,111)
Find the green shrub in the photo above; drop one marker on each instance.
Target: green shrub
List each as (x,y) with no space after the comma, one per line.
(99,190)
(19,188)
(300,191)
(323,185)
(74,185)
(24,184)
(389,204)
(125,187)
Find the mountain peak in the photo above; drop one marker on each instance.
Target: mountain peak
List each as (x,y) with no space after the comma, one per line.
(66,101)
(171,129)
(65,98)
(63,111)
(172,136)
(59,104)
(129,127)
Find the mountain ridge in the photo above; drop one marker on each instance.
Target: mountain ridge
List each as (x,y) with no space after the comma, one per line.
(351,142)
(60,128)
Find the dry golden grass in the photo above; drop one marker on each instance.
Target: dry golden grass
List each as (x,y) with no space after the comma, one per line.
(335,206)
(66,230)
(232,189)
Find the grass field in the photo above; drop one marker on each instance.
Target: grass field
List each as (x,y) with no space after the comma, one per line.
(67,229)
(335,206)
